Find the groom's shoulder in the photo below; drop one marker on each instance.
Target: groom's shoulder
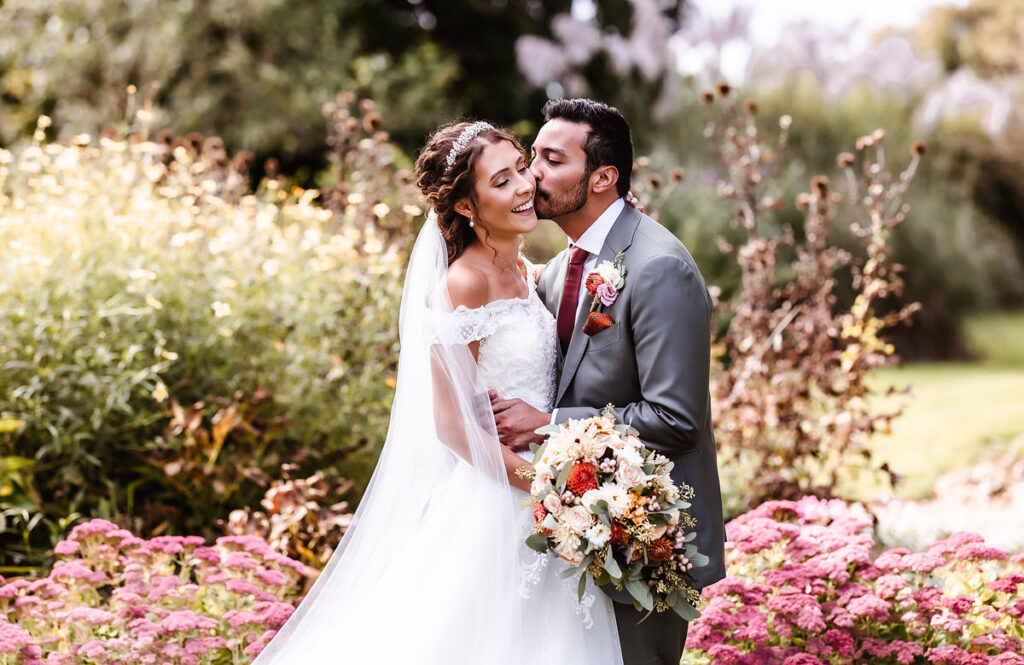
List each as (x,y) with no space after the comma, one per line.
(653,240)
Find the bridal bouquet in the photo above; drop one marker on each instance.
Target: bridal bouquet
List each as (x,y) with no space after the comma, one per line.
(606,504)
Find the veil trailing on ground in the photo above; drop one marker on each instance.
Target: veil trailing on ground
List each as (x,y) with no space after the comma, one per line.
(421,562)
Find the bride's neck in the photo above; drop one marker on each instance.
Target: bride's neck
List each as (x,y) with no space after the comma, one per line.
(504,251)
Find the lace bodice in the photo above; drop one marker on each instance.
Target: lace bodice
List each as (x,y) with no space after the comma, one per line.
(518,345)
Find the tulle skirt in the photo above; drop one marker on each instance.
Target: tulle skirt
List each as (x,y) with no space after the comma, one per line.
(450,597)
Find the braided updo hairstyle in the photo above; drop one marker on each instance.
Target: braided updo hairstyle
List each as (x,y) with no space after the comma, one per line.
(443,190)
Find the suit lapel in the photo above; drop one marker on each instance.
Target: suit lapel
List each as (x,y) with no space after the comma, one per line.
(619,238)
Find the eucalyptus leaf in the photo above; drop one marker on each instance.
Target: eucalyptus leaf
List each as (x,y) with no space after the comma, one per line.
(641,593)
(537,541)
(582,586)
(563,476)
(612,566)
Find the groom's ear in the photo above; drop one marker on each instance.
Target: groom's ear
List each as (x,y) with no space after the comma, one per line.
(603,179)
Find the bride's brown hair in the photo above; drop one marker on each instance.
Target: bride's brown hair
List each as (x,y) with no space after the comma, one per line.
(443,187)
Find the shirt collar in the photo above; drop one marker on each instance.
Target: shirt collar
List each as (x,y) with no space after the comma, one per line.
(593,238)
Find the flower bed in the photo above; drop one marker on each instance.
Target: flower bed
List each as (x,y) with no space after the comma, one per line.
(808,588)
(115,598)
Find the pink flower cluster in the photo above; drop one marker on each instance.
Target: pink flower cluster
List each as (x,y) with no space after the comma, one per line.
(807,589)
(114,598)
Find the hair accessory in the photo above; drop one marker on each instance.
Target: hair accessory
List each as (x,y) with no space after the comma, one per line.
(465,138)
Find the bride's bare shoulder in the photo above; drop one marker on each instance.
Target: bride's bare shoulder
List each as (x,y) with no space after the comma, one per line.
(467,285)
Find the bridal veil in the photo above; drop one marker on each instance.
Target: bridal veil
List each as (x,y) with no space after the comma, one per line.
(428,570)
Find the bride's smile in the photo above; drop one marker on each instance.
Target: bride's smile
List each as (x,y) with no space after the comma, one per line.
(502,200)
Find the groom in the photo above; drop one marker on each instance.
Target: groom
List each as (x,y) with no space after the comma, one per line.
(652,363)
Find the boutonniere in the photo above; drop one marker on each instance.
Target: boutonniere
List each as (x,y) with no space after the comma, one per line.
(604,283)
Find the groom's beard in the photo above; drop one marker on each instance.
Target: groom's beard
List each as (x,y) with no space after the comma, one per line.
(550,206)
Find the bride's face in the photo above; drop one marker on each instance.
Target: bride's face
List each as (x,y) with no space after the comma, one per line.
(504,191)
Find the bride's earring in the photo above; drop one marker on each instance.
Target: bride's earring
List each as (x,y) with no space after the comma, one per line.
(471,223)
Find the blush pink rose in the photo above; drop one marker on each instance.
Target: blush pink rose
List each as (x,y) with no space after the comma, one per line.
(607,293)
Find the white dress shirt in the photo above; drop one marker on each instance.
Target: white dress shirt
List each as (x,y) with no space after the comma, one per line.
(592,241)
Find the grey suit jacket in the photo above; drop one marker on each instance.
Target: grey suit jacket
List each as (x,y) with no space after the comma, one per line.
(653,364)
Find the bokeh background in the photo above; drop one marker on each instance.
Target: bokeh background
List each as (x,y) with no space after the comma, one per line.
(205,208)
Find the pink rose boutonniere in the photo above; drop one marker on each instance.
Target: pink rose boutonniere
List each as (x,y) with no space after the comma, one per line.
(604,283)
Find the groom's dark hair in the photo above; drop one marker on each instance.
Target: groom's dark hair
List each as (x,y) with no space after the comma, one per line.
(608,141)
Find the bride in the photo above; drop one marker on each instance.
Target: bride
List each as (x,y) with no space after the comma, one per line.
(434,569)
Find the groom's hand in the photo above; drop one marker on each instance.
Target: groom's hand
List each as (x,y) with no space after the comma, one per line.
(516,421)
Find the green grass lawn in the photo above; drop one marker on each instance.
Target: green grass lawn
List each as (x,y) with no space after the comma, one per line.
(956,412)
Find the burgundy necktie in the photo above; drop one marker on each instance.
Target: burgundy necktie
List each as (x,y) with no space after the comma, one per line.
(570,296)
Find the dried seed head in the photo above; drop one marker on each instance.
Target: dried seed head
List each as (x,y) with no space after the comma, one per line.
(366,105)
(803,199)
(345,98)
(707,97)
(642,162)
(723,89)
(372,122)
(213,144)
(677,174)
(785,121)
(845,159)
(243,161)
(918,149)
(194,141)
(878,135)
(820,185)
(750,106)
(654,181)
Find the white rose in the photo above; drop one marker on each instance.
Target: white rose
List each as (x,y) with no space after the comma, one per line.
(629,476)
(553,504)
(610,274)
(578,518)
(599,444)
(544,473)
(630,456)
(598,535)
(567,549)
(590,498)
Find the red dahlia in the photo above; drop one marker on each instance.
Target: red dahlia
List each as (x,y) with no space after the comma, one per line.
(582,477)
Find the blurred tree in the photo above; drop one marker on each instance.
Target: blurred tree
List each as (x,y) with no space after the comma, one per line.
(258,72)
(980,46)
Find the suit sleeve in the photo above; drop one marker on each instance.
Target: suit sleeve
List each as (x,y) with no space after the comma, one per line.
(670,311)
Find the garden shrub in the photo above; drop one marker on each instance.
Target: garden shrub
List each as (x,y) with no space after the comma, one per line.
(115,598)
(808,587)
(170,339)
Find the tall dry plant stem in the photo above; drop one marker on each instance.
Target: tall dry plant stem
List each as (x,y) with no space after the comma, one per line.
(790,378)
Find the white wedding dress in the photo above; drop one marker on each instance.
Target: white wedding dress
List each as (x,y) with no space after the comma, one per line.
(517,357)
(434,569)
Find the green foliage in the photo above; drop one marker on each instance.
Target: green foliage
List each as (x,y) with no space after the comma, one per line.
(258,72)
(136,279)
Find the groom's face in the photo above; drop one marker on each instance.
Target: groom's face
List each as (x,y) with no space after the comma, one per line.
(560,166)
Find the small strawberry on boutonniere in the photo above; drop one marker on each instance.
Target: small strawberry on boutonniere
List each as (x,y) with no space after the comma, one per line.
(604,283)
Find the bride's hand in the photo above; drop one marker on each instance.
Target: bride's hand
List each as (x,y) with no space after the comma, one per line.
(516,421)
